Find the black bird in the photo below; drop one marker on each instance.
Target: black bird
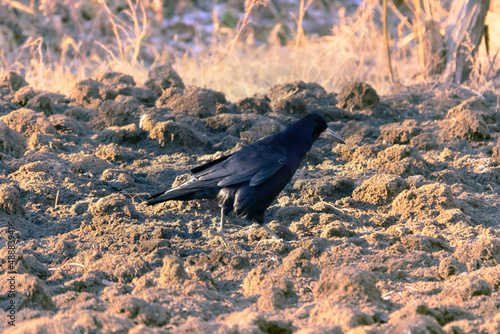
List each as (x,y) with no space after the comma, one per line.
(248,181)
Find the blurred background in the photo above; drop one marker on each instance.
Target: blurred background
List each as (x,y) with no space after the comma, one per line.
(238,47)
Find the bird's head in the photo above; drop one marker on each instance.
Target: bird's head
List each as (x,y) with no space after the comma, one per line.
(302,134)
(321,129)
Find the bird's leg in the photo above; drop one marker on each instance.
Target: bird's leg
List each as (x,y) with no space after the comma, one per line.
(220,231)
(221,226)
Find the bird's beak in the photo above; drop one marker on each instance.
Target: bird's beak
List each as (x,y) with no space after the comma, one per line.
(329,134)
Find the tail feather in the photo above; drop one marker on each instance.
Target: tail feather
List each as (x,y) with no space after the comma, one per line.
(187,196)
(185,192)
(168,195)
(156,195)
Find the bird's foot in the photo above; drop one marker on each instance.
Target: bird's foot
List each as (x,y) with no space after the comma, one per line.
(274,238)
(219,234)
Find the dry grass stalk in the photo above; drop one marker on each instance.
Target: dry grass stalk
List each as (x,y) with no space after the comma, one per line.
(243,23)
(57,199)
(300,30)
(133,36)
(27,9)
(419,32)
(386,38)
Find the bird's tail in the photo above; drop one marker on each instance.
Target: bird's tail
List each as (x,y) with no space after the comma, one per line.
(185,192)
(174,193)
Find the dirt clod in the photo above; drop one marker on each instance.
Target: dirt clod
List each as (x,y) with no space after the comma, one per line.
(114,204)
(425,141)
(172,132)
(121,134)
(467,287)
(338,314)
(11,141)
(292,98)
(24,95)
(275,292)
(380,189)
(117,268)
(90,164)
(42,102)
(172,271)
(450,266)
(298,263)
(399,133)
(11,81)
(254,105)
(30,292)
(163,77)
(485,250)
(149,314)
(90,93)
(418,324)
(468,121)
(348,285)
(65,125)
(28,122)
(357,95)
(428,200)
(113,113)
(197,101)
(116,79)
(10,202)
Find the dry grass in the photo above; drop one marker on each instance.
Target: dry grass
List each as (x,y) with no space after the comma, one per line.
(352,52)
(232,63)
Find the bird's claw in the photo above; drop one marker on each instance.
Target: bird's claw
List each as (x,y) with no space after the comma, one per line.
(274,238)
(219,234)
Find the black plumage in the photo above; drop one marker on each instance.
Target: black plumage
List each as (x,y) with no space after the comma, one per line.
(246,182)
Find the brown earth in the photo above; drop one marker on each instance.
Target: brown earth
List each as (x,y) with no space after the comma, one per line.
(396,232)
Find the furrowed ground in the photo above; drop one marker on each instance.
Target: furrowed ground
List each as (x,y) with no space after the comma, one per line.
(397,231)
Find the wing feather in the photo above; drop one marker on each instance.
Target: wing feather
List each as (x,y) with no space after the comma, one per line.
(255,163)
(268,171)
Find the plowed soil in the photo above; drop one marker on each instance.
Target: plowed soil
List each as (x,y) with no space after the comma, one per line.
(398,231)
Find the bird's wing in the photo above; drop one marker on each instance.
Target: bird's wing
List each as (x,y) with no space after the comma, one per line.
(201,168)
(269,170)
(255,163)
(254,171)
